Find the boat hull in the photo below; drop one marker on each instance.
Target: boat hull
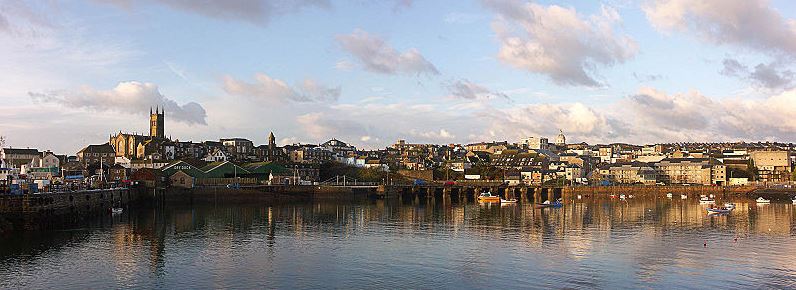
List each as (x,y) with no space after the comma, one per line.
(489,199)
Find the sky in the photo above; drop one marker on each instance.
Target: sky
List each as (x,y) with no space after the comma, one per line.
(371,72)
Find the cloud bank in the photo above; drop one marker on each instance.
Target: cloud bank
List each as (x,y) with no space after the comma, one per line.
(127,97)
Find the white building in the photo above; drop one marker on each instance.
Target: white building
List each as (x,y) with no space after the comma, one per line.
(561,140)
(536,143)
(216,155)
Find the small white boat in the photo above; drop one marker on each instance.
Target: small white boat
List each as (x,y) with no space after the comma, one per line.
(729,205)
(513,200)
(631,196)
(794,200)
(683,196)
(712,196)
(622,196)
(718,210)
(762,200)
(116,210)
(669,195)
(579,197)
(707,200)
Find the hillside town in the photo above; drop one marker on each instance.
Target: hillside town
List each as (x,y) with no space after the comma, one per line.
(157,160)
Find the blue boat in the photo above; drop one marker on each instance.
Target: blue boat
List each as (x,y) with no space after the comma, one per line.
(555,204)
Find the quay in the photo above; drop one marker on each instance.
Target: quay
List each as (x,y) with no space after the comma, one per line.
(32,211)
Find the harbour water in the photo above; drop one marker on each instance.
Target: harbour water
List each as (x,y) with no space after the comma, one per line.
(638,243)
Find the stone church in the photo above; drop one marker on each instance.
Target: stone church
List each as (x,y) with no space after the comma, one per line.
(138,146)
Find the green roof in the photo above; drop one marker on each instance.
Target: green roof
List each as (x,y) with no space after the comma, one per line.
(183,166)
(222,169)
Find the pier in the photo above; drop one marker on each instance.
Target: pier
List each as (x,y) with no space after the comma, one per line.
(470,192)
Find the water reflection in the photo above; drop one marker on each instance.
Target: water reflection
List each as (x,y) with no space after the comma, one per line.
(594,242)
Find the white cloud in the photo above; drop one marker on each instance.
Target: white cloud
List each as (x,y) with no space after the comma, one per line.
(575,119)
(557,42)
(746,23)
(267,89)
(440,135)
(126,97)
(377,56)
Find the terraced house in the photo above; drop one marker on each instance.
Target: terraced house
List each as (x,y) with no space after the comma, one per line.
(704,171)
(627,173)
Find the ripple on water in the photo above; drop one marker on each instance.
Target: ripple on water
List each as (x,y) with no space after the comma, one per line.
(640,243)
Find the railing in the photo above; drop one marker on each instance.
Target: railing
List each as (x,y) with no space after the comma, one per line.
(347,181)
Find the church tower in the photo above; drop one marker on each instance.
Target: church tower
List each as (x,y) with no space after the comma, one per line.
(561,140)
(156,123)
(271,142)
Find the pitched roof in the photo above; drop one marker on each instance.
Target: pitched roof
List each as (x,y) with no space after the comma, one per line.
(103,148)
(21,151)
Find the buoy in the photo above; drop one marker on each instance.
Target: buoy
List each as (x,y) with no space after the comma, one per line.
(705,244)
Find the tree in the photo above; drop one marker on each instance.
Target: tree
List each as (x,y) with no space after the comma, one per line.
(2,141)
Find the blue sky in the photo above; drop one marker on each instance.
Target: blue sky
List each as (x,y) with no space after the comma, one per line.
(370,72)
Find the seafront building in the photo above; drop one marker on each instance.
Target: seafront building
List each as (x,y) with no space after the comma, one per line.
(533,160)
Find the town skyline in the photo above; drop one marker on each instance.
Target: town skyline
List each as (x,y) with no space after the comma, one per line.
(442,72)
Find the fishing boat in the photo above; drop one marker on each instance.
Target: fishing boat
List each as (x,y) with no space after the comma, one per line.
(116,210)
(715,210)
(683,196)
(547,203)
(729,205)
(669,195)
(513,200)
(622,196)
(707,200)
(488,197)
(762,200)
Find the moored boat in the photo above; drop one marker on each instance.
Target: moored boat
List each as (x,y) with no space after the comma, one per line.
(712,210)
(762,200)
(547,203)
(488,197)
(116,210)
(707,200)
(683,196)
(513,200)
(729,205)
(669,195)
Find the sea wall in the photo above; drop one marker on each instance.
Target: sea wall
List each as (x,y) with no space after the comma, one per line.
(261,194)
(33,211)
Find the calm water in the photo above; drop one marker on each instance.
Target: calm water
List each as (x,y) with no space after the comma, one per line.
(649,242)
